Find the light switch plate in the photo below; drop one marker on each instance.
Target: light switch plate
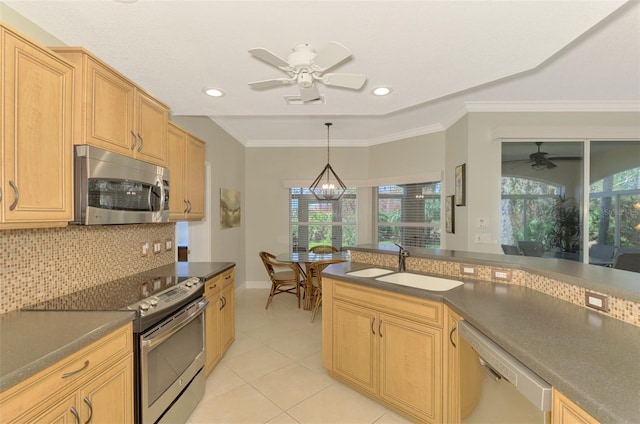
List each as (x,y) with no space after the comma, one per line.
(468,269)
(157,247)
(144,249)
(596,301)
(168,244)
(501,274)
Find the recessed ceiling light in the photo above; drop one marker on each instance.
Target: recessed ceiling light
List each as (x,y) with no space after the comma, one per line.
(381,91)
(213,92)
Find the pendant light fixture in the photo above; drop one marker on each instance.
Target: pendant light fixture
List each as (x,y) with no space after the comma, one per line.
(328,186)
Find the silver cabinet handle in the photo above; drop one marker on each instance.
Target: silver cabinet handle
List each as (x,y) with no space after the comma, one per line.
(69,374)
(17,193)
(186,207)
(189,202)
(453,329)
(75,414)
(88,402)
(373,320)
(380,328)
(0,194)
(141,142)
(133,136)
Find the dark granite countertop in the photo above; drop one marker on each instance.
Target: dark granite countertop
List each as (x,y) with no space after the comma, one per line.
(202,270)
(31,341)
(591,358)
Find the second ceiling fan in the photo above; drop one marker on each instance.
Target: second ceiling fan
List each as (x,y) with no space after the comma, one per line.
(305,68)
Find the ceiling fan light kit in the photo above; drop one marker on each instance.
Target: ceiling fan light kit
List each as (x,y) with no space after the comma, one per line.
(327,185)
(305,68)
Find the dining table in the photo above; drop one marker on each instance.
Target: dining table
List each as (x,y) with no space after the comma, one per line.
(303,259)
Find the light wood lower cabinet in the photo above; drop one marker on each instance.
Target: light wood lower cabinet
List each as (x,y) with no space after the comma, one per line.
(36,146)
(567,412)
(93,385)
(219,317)
(452,368)
(386,345)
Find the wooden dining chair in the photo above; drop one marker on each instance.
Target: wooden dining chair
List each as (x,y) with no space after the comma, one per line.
(323,248)
(314,277)
(285,277)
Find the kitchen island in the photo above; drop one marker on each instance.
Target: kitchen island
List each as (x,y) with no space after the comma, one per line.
(590,357)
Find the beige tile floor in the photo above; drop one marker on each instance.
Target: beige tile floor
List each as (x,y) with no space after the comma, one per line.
(273,374)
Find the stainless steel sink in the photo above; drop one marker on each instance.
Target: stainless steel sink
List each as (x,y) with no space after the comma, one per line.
(420,281)
(370,272)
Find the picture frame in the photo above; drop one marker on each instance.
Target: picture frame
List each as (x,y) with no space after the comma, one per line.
(450,216)
(460,185)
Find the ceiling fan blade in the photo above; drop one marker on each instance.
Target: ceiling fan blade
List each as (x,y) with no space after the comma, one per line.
(353,81)
(330,55)
(270,83)
(309,93)
(566,158)
(269,57)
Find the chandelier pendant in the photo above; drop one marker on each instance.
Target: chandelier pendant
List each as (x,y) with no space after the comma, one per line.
(328,186)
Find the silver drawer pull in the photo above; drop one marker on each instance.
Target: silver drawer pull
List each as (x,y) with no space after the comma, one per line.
(15,189)
(88,402)
(69,374)
(141,142)
(74,411)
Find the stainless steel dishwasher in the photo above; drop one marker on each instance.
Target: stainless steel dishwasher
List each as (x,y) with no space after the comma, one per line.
(495,387)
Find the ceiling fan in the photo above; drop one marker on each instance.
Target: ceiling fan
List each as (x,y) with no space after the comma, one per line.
(305,67)
(539,160)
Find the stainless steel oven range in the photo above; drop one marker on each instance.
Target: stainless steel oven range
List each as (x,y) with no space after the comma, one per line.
(168,339)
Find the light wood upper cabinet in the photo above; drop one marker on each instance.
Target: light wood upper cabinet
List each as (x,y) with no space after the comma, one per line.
(114,114)
(186,168)
(387,345)
(36,147)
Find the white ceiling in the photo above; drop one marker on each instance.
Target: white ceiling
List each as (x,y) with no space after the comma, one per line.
(442,59)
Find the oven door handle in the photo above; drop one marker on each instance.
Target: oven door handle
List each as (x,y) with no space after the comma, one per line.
(172,327)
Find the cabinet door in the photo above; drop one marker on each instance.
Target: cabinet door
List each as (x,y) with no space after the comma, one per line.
(565,411)
(177,141)
(411,366)
(109,110)
(108,398)
(64,411)
(151,129)
(227,324)
(213,353)
(452,369)
(194,170)
(36,135)
(355,344)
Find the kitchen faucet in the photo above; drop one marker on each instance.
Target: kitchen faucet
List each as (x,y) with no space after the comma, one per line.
(402,255)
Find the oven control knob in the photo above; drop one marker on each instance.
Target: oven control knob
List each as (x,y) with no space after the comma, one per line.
(188,283)
(153,301)
(144,306)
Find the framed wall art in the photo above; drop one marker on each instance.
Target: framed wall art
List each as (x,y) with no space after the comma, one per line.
(460,183)
(449,211)
(229,208)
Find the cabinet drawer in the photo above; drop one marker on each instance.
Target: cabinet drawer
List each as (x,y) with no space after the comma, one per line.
(50,382)
(420,310)
(220,282)
(227,278)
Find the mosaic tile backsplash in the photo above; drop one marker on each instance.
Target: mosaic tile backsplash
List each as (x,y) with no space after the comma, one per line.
(621,309)
(41,264)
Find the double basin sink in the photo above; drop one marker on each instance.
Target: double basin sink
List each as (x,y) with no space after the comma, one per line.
(425,282)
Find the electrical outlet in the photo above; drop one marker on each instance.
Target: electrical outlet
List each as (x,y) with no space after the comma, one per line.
(501,274)
(482,223)
(483,238)
(157,247)
(596,301)
(168,244)
(468,270)
(144,249)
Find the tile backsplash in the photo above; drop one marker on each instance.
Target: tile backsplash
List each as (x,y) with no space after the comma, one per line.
(40,264)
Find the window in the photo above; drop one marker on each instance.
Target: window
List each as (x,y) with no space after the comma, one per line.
(313,222)
(408,214)
(614,210)
(527,209)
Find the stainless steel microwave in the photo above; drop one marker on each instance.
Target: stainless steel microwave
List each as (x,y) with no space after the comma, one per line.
(115,189)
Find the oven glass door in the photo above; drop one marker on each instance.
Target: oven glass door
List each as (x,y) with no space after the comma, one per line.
(171,354)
